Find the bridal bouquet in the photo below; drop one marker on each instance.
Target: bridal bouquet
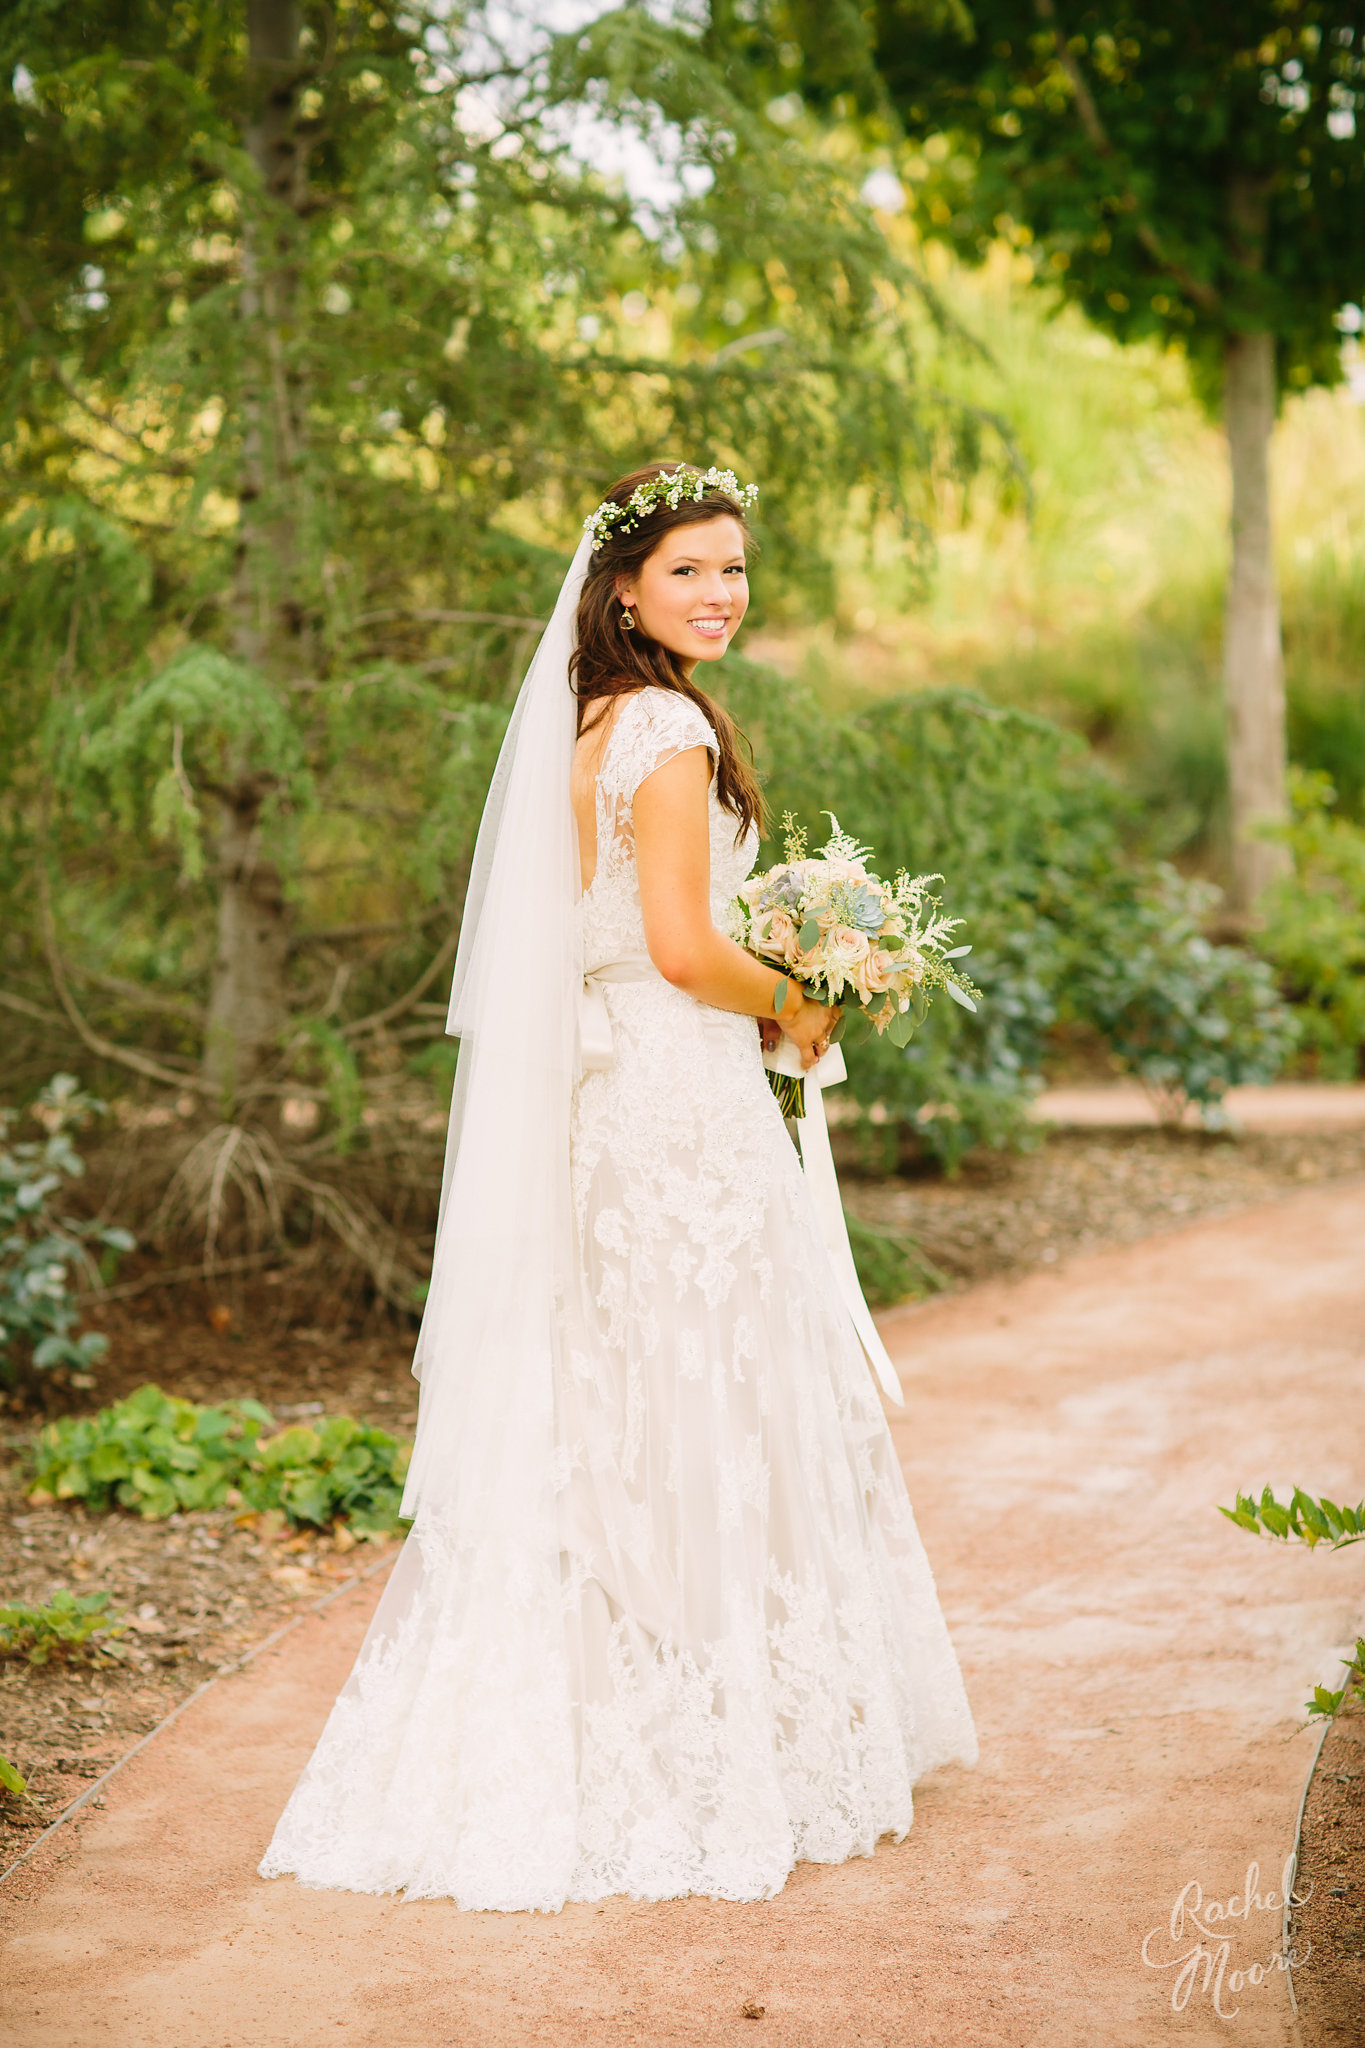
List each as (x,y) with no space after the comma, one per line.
(865,947)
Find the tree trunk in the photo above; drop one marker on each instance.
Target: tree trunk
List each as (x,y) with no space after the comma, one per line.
(247,1008)
(248,998)
(1253,659)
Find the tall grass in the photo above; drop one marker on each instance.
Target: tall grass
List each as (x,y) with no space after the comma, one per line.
(1100,601)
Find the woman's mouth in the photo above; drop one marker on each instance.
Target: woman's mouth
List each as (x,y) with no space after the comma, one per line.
(714,629)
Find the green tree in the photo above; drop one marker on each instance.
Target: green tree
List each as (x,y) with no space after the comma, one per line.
(319,341)
(1189,173)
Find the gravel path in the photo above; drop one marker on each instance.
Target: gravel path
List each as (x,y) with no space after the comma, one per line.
(1136,1665)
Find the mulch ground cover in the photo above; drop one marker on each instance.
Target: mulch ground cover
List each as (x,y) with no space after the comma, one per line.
(1329,1931)
(198,1590)
(1085,1189)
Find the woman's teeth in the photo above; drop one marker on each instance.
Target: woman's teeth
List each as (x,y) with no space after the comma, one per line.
(714,629)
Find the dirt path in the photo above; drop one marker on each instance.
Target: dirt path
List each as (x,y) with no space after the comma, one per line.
(1136,1666)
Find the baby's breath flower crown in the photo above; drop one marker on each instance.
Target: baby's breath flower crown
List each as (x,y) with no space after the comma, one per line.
(669,488)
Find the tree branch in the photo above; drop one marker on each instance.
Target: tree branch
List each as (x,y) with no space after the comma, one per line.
(104,1048)
(414,994)
(183,1007)
(167,465)
(1196,288)
(444,618)
(28,1009)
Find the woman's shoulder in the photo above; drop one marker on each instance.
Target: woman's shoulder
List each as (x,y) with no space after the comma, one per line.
(673,718)
(653,725)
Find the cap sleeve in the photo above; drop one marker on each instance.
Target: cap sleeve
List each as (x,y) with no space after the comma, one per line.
(653,728)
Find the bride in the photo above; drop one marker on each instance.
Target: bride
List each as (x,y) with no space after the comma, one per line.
(663,1624)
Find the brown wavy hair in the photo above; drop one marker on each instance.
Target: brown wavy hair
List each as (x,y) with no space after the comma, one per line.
(608,663)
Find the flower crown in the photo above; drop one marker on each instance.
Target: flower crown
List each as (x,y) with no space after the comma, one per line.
(669,488)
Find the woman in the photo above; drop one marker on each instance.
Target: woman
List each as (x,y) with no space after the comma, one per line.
(663,1624)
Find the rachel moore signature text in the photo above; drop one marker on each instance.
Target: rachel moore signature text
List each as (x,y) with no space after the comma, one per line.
(1202,1932)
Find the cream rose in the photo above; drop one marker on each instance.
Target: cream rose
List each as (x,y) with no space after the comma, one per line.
(846,948)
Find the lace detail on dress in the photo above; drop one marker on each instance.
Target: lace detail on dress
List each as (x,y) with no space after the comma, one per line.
(727,1655)
(651,728)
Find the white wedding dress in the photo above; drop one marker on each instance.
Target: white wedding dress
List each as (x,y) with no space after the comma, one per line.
(749,1665)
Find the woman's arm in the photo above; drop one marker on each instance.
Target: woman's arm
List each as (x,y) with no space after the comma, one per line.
(673,862)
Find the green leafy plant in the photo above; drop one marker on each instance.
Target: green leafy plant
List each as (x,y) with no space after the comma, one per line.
(150,1453)
(1301,1519)
(1311,1520)
(340,1469)
(1187,1018)
(891,1266)
(11,1780)
(1313,931)
(40,1251)
(156,1455)
(64,1629)
(1325,1704)
(1069,922)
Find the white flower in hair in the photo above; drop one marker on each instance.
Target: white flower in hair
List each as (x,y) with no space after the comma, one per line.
(669,488)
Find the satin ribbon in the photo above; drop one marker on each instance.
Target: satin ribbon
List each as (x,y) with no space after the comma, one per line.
(812,1130)
(594,1024)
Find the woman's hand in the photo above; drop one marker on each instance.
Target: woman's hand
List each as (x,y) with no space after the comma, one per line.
(807,1024)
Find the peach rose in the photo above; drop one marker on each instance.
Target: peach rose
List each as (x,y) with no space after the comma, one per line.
(881,965)
(779,936)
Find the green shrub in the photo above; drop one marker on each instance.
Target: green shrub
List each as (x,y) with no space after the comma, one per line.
(1314,930)
(1068,923)
(150,1453)
(64,1629)
(341,1468)
(40,1252)
(156,1455)
(1187,1018)
(891,1266)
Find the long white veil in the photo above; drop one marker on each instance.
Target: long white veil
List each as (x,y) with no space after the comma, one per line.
(465,1660)
(503,1253)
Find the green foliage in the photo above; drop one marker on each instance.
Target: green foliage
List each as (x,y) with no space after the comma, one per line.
(1068,923)
(150,1453)
(12,1780)
(1313,930)
(891,1266)
(1187,174)
(1302,1519)
(157,1456)
(40,1251)
(290,480)
(1187,1018)
(341,1469)
(1325,1704)
(1306,1519)
(183,727)
(64,1629)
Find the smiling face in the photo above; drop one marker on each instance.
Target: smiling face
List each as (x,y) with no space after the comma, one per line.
(692,592)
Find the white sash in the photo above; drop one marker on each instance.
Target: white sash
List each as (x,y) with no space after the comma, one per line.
(812,1130)
(594,1031)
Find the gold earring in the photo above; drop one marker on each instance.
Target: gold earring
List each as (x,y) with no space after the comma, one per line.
(627,620)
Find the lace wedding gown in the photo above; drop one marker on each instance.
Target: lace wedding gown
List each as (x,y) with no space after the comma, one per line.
(752,1667)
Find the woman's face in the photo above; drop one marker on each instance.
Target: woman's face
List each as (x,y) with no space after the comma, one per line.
(692,592)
